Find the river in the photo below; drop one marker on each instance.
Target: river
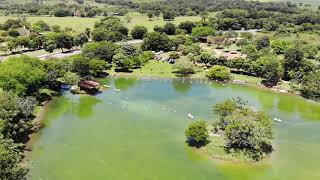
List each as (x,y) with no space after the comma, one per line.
(138,134)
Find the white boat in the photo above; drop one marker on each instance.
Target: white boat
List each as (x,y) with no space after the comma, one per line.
(190,116)
(277,119)
(117,90)
(106,86)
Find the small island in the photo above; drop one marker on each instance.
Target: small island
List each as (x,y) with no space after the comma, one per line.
(240,134)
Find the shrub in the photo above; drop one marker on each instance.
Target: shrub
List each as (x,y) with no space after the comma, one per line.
(184,67)
(197,133)
(202,31)
(138,32)
(219,73)
(174,55)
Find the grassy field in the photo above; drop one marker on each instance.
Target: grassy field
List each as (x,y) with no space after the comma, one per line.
(79,24)
(156,69)
(135,18)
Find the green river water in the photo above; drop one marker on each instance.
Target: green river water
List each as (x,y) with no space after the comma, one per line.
(138,134)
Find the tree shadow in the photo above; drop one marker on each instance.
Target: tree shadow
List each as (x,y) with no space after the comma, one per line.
(123,70)
(193,143)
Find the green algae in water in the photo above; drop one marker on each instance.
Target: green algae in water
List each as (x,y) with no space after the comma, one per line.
(138,134)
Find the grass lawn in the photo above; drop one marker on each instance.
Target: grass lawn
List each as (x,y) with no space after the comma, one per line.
(80,24)
(249,79)
(142,19)
(156,68)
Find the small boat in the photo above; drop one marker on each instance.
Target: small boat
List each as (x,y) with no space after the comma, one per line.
(117,90)
(277,119)
(106,86)
(190,116)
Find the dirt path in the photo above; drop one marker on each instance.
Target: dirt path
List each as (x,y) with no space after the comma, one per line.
(59,55)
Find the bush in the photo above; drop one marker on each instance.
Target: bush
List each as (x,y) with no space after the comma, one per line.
(69,78)
(169,29)
(121,62)
(219,73)
(202,31)
(184,67)
(156,41)
(138,32)
(174,55)
(146,56)
(310,86)
(197,133)
(100,50)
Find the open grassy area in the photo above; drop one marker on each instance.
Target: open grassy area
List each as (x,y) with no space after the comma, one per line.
(77,23)
(80,24)
(135,18)
(156,69)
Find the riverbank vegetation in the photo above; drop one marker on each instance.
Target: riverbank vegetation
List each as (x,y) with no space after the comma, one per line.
(239,134)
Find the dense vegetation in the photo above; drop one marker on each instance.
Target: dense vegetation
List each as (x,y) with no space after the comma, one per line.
(245,131)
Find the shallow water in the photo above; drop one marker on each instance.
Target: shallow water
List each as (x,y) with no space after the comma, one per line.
(138,134)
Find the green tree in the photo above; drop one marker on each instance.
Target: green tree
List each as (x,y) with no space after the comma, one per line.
(100,50)
(187,25)
(50,46)
(121,62)
(262,42)
(225,108)
(97,66)
(270,68)
(81,39)
(169,29)
(202,31)
(10,160)
(293,60)
(197,133)
(8,105)
(246,133)
(138,32)
(245,130)
(156,41)
(109,29)
(70,78)
(310,86)
(150,15)
(184,67)
(280,46)
(26,105)
(219,73)
(206,57)
(64,41)
(22,75)
(42,25)
(169,15)
(81,64)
